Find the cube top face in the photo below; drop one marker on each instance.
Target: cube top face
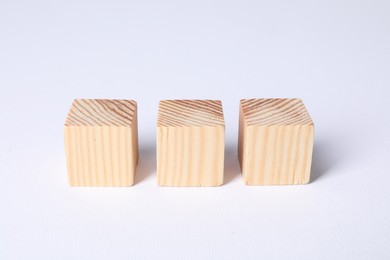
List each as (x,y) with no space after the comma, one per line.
(178,113)
(101,112)
(274,111)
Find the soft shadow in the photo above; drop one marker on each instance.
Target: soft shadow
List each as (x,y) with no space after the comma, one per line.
(146,162)
(324,158)
(232,166)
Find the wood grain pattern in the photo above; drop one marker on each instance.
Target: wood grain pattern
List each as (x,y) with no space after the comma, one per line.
(275,141)
(101,142)
(190,143)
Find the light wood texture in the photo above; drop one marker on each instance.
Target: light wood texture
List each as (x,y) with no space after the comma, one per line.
(275,141)
(190,143)
(101,142)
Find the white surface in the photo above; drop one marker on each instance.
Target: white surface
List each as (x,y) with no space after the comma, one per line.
(335,55)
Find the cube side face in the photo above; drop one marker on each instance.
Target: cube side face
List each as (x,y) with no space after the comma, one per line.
(134,143)
(241,137)
(190,156)
(278,155)
(100,155)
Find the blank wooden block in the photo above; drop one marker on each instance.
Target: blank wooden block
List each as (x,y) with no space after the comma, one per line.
(275,141)
(190,143)
(101,142)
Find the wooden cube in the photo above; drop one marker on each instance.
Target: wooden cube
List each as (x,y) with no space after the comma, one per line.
(101,142)
(275,143)
(190,143)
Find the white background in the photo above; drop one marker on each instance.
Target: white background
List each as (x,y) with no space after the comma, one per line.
(335,55)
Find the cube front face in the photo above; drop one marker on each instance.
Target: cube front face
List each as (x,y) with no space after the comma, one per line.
(101,143)
(276,139)
(190,143)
